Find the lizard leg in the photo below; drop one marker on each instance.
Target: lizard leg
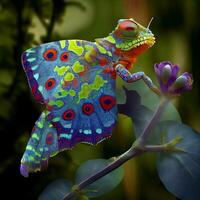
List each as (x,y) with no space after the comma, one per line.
(129,78)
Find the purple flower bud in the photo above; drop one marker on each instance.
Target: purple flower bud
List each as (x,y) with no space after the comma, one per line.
(166,73)
(169,83)
(182,83)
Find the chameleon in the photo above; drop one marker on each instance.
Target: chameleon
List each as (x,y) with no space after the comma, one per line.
(75,80)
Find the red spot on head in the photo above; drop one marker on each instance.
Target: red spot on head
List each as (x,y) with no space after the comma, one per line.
(50,54)
(129,28)
(88,108)
(64,56)
(50,83)
(127,25)
(68,115)
(103,61)
(49,138)
(107,102)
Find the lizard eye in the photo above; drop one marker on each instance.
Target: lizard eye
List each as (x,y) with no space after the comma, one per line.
(127,25)
(128,28)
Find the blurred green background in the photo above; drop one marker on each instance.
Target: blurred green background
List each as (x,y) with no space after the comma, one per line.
(26,23)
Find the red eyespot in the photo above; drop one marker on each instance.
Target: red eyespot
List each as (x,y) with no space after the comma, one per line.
(50,54)
(88,108)
(68,115)
(49,138)
(64,56)
(107,102)
(50,83)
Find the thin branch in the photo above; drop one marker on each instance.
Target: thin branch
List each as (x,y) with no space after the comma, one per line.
(155,118)
(109,168)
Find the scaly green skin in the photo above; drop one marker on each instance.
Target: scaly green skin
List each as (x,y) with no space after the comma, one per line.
(127,41)
(129,35)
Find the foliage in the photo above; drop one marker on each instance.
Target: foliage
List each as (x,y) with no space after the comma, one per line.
(56,190)
(180,171)
(177,144)
(103,185)
(59,188)
(28,23)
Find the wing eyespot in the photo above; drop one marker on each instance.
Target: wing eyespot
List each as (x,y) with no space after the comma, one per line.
(64,57)
(107,102)
(88,108)
(50,83)
(50,54)
(69,115)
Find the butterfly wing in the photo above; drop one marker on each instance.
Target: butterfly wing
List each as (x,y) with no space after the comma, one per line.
(90,114)
(79,96)
(42,145)
(45,67)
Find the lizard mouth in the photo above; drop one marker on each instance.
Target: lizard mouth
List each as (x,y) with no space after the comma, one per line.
(145,41)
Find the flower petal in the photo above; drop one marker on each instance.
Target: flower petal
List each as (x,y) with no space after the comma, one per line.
(166,73)
(170,85)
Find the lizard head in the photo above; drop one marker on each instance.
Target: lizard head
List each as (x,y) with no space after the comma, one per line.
(132,37)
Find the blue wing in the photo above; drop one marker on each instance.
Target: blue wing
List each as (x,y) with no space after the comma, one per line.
(45,67)
(42,144)
(79,96)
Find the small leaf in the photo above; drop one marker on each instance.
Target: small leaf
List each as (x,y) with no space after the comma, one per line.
(180,171)
(56,190)
(103,185)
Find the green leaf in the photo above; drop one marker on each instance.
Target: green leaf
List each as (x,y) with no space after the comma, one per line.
(103,185)
(180,171)
(56,190)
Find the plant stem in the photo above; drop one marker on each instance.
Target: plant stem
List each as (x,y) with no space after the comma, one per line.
(155,118)
(112,166)
(167,147)
(137,148)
